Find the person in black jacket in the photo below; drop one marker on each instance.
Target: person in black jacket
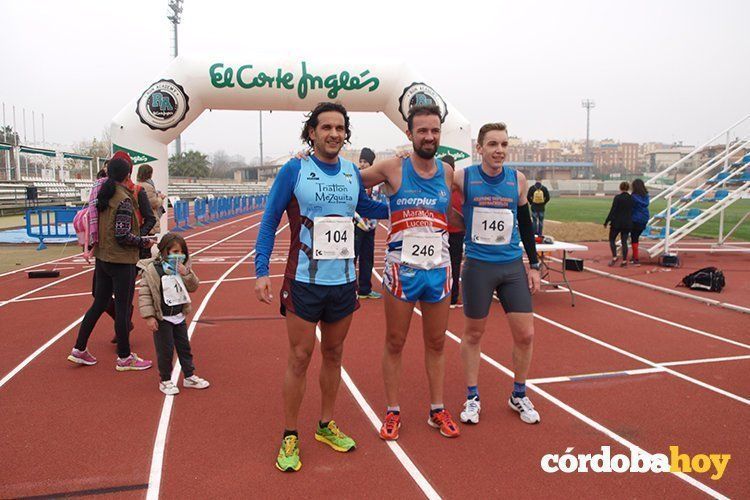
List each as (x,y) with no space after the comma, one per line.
(620,222)
(538,197)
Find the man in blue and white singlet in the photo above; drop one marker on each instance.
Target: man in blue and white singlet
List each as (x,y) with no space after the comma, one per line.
(320,194)
(496,216)
(417,262)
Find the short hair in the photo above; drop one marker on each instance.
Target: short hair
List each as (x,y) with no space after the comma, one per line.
(422,110)
(145,172)
(624,186)
(488,127)
(312,120)
(449,160)
(168,240)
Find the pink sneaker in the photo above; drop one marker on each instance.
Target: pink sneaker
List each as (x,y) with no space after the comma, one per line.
(81,357)
(132,362)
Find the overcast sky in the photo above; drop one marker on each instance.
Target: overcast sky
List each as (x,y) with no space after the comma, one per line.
(658,70)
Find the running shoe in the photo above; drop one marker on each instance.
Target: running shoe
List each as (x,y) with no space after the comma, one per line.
(635,263)
(195,382)
(470,415)
(612,262)
(391,425)
(132,362)
(168,388)
(334,438)
(442,420)
(288,459)
(81,357)
(372,295)
(525,408)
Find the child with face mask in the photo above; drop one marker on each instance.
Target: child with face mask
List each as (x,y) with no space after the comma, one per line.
(164,302)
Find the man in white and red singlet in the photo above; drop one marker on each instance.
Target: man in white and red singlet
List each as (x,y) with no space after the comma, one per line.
(417,263)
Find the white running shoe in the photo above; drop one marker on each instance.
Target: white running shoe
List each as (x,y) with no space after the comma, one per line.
(195,382)
(525,408)
(470,415)
(168,388)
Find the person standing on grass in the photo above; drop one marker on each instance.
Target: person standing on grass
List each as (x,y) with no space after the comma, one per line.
(538,197)
(455,240)
(620,220)
(116,256)
(496,217)
(640,216)
(320,194)
(364,236)
(163,302)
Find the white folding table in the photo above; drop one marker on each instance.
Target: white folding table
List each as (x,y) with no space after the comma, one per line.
(558,246)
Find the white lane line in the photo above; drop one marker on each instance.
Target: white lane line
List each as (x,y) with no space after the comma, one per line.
(640,371)
(157,457)
(643,360)
(7,273)
(48,297)
(61,280)
(587,420)
(657,318)
(401,455)
(587,376)
(246,278)
(685,295)
(705,360)
(36,353)
(43,287)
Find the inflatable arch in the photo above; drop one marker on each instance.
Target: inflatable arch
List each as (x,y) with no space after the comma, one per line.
(189,86)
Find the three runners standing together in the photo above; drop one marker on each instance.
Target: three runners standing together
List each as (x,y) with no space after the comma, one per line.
(321,193)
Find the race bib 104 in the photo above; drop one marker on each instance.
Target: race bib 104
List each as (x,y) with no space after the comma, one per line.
(333,238)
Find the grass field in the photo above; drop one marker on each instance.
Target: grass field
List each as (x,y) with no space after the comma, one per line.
(595,209)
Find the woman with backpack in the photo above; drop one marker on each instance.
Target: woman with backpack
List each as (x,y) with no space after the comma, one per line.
(116,253)
(640,216)
(620,220)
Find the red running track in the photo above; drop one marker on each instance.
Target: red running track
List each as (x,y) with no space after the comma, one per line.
(90,429)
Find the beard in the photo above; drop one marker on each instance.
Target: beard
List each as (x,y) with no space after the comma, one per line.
(425,154)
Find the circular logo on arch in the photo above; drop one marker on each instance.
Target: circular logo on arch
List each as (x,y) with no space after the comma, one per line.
(420,94)
(163,105)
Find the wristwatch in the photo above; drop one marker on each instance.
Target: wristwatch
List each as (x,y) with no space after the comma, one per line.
(536,266)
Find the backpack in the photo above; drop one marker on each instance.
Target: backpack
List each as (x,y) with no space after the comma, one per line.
(709,278)
(83,231)
(538,197)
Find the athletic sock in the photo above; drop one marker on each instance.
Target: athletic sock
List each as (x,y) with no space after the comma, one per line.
(519,390)
(472,392)
(436,408)
(322,424)
(396,410)
(635,251)
(288,432)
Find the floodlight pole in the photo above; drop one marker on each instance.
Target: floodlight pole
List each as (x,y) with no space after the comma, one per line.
(588,104)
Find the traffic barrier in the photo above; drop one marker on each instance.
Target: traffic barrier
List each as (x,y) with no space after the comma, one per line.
(50,222)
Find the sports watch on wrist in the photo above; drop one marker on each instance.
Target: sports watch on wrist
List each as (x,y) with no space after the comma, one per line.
(536,266)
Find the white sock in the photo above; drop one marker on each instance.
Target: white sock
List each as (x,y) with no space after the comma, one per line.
(393,408)
(437,406)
